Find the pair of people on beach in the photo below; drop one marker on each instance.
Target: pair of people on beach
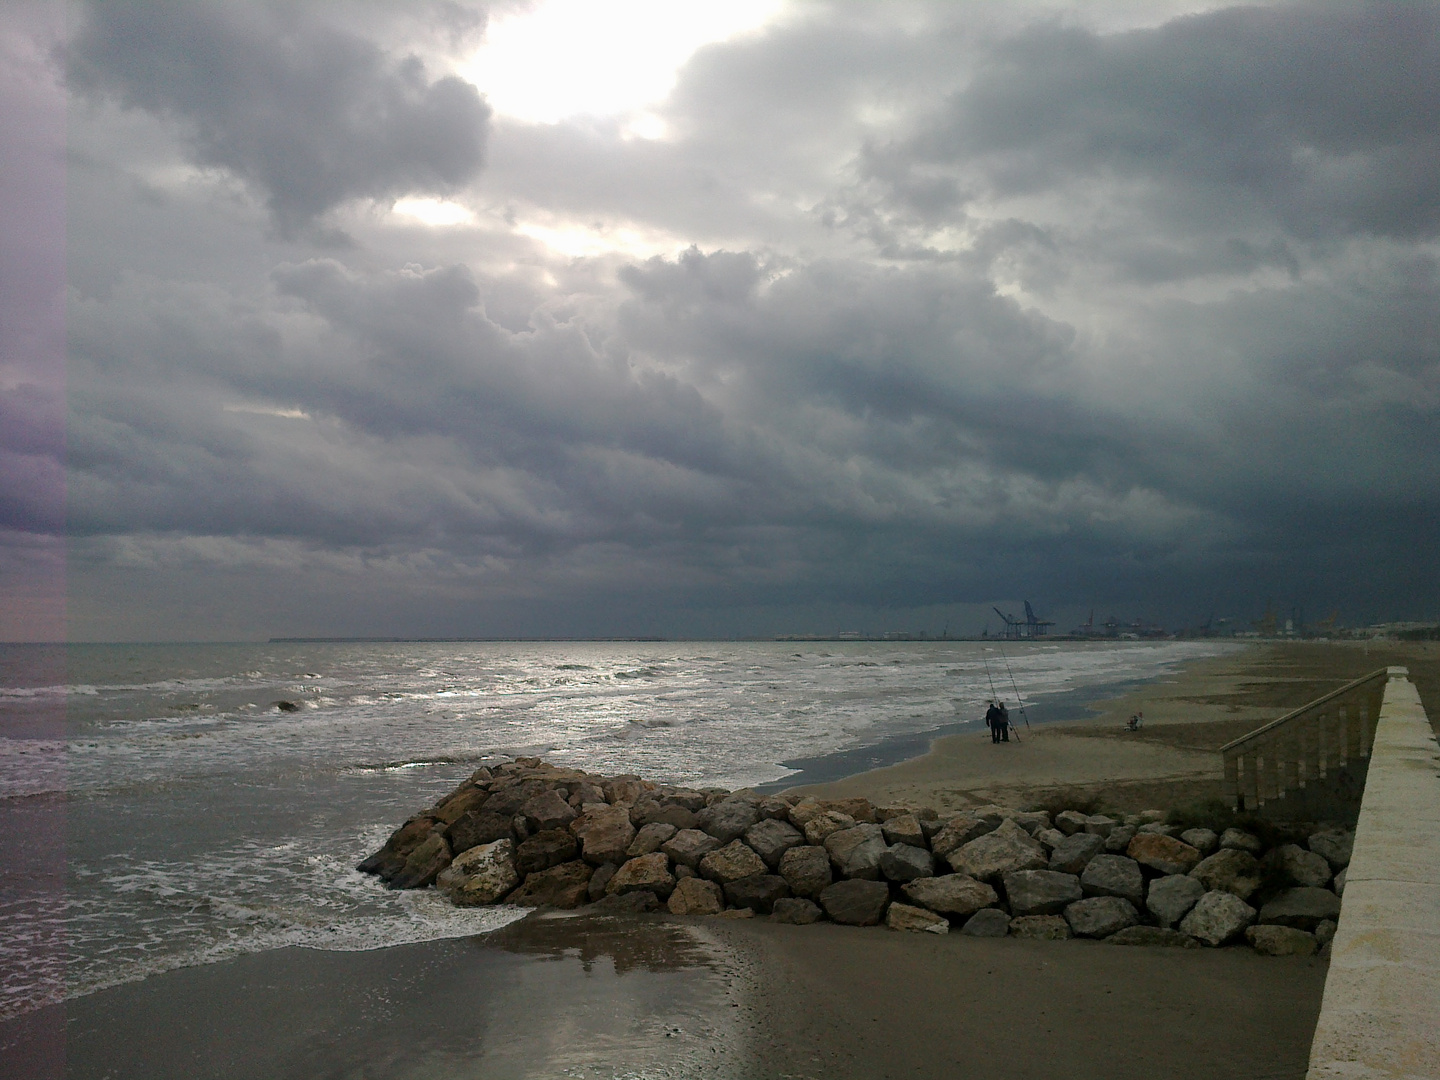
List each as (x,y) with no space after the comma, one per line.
(997,719)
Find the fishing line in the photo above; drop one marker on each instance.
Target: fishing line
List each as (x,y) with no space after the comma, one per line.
(994,697)
(1018,699)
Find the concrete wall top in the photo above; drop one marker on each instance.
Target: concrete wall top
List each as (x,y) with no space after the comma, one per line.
(1381,1012)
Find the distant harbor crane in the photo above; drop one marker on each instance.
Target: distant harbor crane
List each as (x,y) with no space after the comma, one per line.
(1032,626)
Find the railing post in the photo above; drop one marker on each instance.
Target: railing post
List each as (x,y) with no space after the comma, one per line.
(1252,793)
(1230,785)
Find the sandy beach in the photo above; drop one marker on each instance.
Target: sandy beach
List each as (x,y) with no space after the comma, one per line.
(605,996)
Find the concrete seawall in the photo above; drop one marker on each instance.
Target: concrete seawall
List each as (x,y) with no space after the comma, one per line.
(1381,1011)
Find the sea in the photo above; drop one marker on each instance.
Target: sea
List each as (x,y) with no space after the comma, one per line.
(161,808)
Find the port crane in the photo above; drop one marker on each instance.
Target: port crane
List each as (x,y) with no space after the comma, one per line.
(1032,626)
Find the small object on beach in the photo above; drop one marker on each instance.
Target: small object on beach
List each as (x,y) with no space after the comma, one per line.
(287,706)
(915,920)
(1281,941)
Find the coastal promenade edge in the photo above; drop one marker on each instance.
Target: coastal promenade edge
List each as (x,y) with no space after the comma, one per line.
(1381,1011)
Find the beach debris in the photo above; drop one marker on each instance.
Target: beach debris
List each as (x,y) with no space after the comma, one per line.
(532,834)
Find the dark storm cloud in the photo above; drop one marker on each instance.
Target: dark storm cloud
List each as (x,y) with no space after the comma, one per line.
(308,113)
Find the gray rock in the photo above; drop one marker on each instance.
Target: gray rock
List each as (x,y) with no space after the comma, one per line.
(696,896)
(475,828)
(1163,853)
(1040,927)
(1217,917)
(650,837)
(771,837)
(856,902)
(819,828)
(1051,838)
(661,811)
(806,870)
(728,819)
(424,863)
(774,806)
(1071,822)
(757,892)
(604,833)
(1100,825)
(1074,853)
(1159,828)
(796,910)
(1298,866)
(1006,850)
(640,902)
(1334,845)
(905,862)
(1204,841)
(950,894)
(544,850)
(1339,883)
(1100,916)
(546,811)
(599,879)
(855,852)
(915,920)
(564,886)
(1280,941)
(731,863)
(1234,870)
(1114,875)
(1149,817)
(987,922)
(1040,892)
(1153,935)
(1239,840)
(1170,898)
(1119,839)
(481,875)
(1325,932)
(688,846)
(904,829)
(804,811)
(959,831)
(1303,908)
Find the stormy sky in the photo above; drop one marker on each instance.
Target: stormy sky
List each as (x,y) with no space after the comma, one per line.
(582,317)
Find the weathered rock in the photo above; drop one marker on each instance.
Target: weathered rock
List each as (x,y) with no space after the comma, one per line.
(604,833)
(757,892)
(624,791)
(600,878)
(771,837)
(688,846)
(820,827)
(1339,883)
(1119,839)
(1202,840)
(774,806)
(1163,853)
(805,811)
(588,792)
(1281,941)
(1071,822)
(957,832)
(1100,916)
(856,851)
(477,827)
(1032,821)
(544,850)
(915,920)
(1040,892)
(1074,853)
(731,863)
(1325,932)
(1149,817)
(1114,875)
(1051,838)
(736,913)
(950,894)
(1159,828)
(806,869)
(1233,870)
(1040,927)
(1334,845)
(481,875)
(987,922)
(1153,935)
(639,902)
(520,826)
(905,862)
(696,896)
(546,811)
(462,802)
(904,829)
(728,819)
(861,810)
(1298,866)
(564,886)
(650,872)
(423,864)
(856,902)
(1006,850)
(650,837)
(390,859)
(1240,840)
(1100,825)
(1170,898)
(1217,917)
(796,910)
(664,811)
(1303,908)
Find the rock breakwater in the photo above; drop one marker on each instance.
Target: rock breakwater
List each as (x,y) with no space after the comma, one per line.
(533,834)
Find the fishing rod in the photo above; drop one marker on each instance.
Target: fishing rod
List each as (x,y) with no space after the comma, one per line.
(994,697)
(1018,699)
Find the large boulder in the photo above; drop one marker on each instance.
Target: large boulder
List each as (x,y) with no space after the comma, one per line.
(1100,825)
(1233,870)
(959,831)
(904,829)
(1303,908)
(771,837)
(804,811)
(987,922)
(1217,917)
(856,902)
(544,850)
(859,809)
(1074,853)
(462,802)
(477,827)
(390,859)
(757,892)
(650,837)
(640,902)
(1040,892)
(1171,897)
(1114,875)
(650,872)
(1100,916)
(424,863)
(1032,821)
(563,886)
(915,920)
(1281,941)
(1298,866)
(696,896)
(546,811)
(481,875)
(600,878)
(806,869)
(1119,839)
(1005,851)
(731,863)
(1204,841)
(796,910)
(1163,853)
(1334,845)
(728,819)
(1040,927)
(905,862)
(856,851)
(688,846)
(1153,935)
(1071,822)
(663,811)
(950,894)
(1239,840)
(604,833)
(819,828)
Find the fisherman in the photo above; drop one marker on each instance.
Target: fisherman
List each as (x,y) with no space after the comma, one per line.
(992,721)
(1004,723)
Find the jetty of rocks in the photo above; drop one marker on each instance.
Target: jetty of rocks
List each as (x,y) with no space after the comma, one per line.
(533,834)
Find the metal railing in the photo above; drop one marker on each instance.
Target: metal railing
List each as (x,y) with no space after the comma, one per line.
(1306,744)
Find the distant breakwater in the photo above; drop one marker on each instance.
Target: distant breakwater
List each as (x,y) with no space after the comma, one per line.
(532,834)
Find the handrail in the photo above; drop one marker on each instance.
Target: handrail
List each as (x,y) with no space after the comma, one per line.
(1383,673)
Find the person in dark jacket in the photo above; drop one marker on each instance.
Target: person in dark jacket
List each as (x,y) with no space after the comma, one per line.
(992,721)
(1004,722)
